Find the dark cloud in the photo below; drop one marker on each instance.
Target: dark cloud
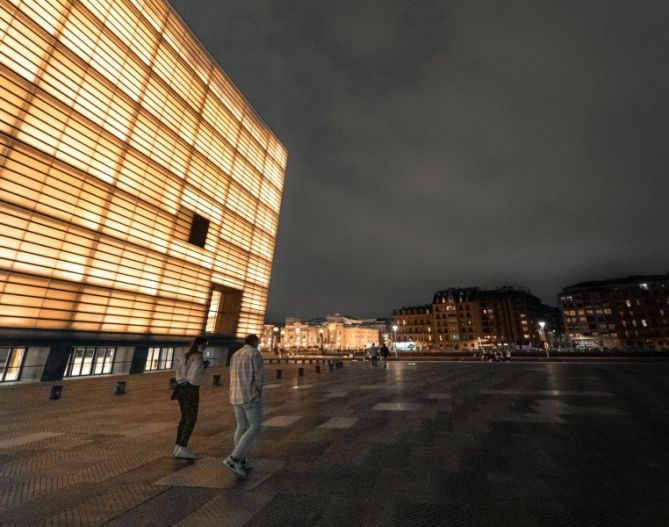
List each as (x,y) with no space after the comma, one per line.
(445,143)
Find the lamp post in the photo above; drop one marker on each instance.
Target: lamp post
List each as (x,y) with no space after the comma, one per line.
(395,339)
(275,338)
(320,339)
(542,336)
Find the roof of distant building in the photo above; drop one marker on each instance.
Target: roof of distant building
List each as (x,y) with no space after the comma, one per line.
(627,280)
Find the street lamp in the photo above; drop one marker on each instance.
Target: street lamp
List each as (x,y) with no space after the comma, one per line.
(542,336)
(320,339)
(395,339)
(275,338)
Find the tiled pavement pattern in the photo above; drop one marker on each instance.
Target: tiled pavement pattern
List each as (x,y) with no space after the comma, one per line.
(414,444)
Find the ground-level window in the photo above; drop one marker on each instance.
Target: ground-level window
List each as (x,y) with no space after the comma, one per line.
(160,359)
(90,361)
(11,360)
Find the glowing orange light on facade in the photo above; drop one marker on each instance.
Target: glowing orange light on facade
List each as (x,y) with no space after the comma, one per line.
(114,123)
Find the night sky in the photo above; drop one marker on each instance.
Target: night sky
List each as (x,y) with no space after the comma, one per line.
(437,144)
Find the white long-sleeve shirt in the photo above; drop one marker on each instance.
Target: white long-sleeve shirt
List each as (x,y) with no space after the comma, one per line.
(246,375)
(191,371)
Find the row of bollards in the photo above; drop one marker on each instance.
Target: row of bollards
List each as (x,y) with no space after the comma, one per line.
(299,361)
(300,371)
(120,387)
(56,391)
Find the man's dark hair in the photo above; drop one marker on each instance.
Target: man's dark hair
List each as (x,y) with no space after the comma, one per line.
(252,340)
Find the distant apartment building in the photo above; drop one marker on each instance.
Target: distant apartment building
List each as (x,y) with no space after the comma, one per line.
(471,318)
(139,191)
(333,333)
(415,325)
(626,313)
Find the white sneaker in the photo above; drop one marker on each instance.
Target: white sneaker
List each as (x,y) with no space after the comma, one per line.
(235,466)
(183,452)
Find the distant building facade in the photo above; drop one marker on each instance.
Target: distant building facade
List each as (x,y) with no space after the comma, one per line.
(470,318)
(626,313)
(333,333)
(139,191)
(414,325)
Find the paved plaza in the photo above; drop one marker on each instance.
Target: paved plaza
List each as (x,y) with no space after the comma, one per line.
(414,444)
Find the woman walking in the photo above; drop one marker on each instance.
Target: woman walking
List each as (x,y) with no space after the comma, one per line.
(189,376)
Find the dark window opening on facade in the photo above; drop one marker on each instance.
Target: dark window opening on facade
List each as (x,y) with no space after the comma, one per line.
(191,227)
(198,230)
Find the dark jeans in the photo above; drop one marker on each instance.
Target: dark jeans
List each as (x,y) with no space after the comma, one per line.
(189,400)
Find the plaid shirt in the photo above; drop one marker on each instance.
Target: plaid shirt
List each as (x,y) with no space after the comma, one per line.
(246,376)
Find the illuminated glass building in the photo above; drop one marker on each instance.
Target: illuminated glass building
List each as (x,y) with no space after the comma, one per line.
(139,191)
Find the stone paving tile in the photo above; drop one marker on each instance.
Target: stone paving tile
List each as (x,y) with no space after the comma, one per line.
(232,508)
(339,422)
(398,407)
(24,439)
(289,509)
(282,420)
(168,507)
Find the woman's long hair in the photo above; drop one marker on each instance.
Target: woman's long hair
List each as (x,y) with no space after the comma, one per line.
(197,341)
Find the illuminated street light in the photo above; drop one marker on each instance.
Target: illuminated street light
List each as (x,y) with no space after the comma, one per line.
(542,336)
(275,338)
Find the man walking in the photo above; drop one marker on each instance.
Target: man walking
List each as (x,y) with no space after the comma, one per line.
(246,380)
(374,353)
(385,352)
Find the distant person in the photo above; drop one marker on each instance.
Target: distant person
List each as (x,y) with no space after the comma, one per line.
(385,353)
(374,354)
(189,376)
(246,383)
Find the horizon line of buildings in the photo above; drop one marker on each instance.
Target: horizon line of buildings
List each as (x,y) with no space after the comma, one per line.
(625,313)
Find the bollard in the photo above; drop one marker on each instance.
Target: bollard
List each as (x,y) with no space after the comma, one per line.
(119,388)
(56,392)
(279,373)
(318,369)
(216,380)
(300,372)
(331,366)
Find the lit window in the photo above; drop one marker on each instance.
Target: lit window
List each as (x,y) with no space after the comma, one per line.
(644,323)
(643,285)
(11,360)
(90,361)
(160,359)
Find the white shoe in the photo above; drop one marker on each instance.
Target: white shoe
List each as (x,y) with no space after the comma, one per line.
(182,452)
(235,466)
